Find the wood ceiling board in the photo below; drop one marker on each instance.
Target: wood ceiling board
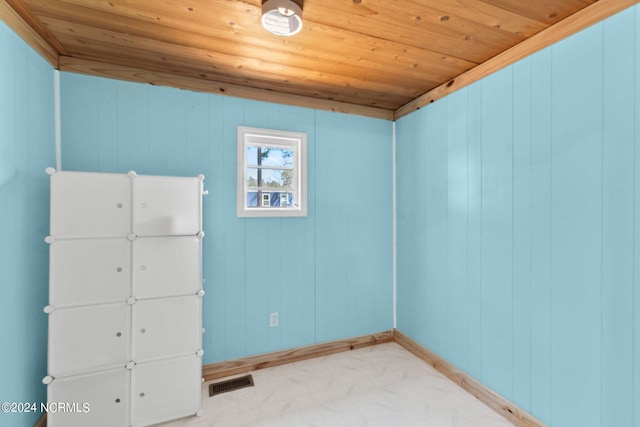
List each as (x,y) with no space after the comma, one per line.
(486,14)
(410,62)
(249,37)
(82,36)
(417,25)
(386,54)
(17,23)
(139,75)
(549,11)
(416,78)
(139,58)
(36,25)
(580,20)
(90,43)
(341,75)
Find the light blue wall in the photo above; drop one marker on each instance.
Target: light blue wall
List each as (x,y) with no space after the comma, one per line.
(26,149)
(328,275)
(519,228)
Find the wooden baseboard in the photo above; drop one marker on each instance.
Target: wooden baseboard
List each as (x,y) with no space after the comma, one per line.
(240,366)
(42,421)
(511,412)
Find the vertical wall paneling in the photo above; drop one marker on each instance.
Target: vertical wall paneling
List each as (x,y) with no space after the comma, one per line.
(617,221)
(436,210)
(234,262)
(457,213)
(521,233)
(259,270)
(82,133)
(197,141)
(107,133)
(471,302)
(636,224)
(214,316)
(541,256)
(349,289)
(298,292)
(548,231)
(497,231)
(328,275)
(576,272)
(133,128)
(167,123)
(57,121)
(26,148)
(332,250)
(411,209)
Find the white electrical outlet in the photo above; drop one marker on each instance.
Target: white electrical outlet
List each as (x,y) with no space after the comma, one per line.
(273,319)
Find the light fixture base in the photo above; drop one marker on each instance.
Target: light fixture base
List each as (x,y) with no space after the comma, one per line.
(282,17)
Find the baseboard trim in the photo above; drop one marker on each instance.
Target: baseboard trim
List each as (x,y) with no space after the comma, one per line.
(246,364)
(502,406)
(42,421)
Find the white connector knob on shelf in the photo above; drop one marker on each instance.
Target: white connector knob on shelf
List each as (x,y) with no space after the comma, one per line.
(131,301)
(200,235)
(48,309)
(199,413)
(200,293)
(132,237)
(200,353)
(132,174)
(47,380)
(130,365)
(50,170)
(49,239)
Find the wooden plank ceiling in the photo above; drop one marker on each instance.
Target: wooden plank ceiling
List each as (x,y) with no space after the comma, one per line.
(376,56)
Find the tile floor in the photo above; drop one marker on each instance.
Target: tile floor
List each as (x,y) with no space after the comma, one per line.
(383,385)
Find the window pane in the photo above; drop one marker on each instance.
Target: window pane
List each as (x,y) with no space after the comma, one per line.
(271,199)
(269,178)
(274,178)
(252,199)
(252,177)
(279,157)
(285,200)
(252,155)
(269,156)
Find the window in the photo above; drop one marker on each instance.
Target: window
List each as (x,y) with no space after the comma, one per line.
(272,175)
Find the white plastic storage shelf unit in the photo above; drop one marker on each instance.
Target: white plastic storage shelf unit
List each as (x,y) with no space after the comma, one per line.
(125,299)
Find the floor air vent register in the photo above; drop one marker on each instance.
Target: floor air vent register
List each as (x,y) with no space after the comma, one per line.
(230,385)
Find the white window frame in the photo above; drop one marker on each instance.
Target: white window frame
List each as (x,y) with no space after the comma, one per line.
(297,141)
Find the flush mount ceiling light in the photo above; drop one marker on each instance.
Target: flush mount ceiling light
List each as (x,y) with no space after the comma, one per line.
(282,17)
